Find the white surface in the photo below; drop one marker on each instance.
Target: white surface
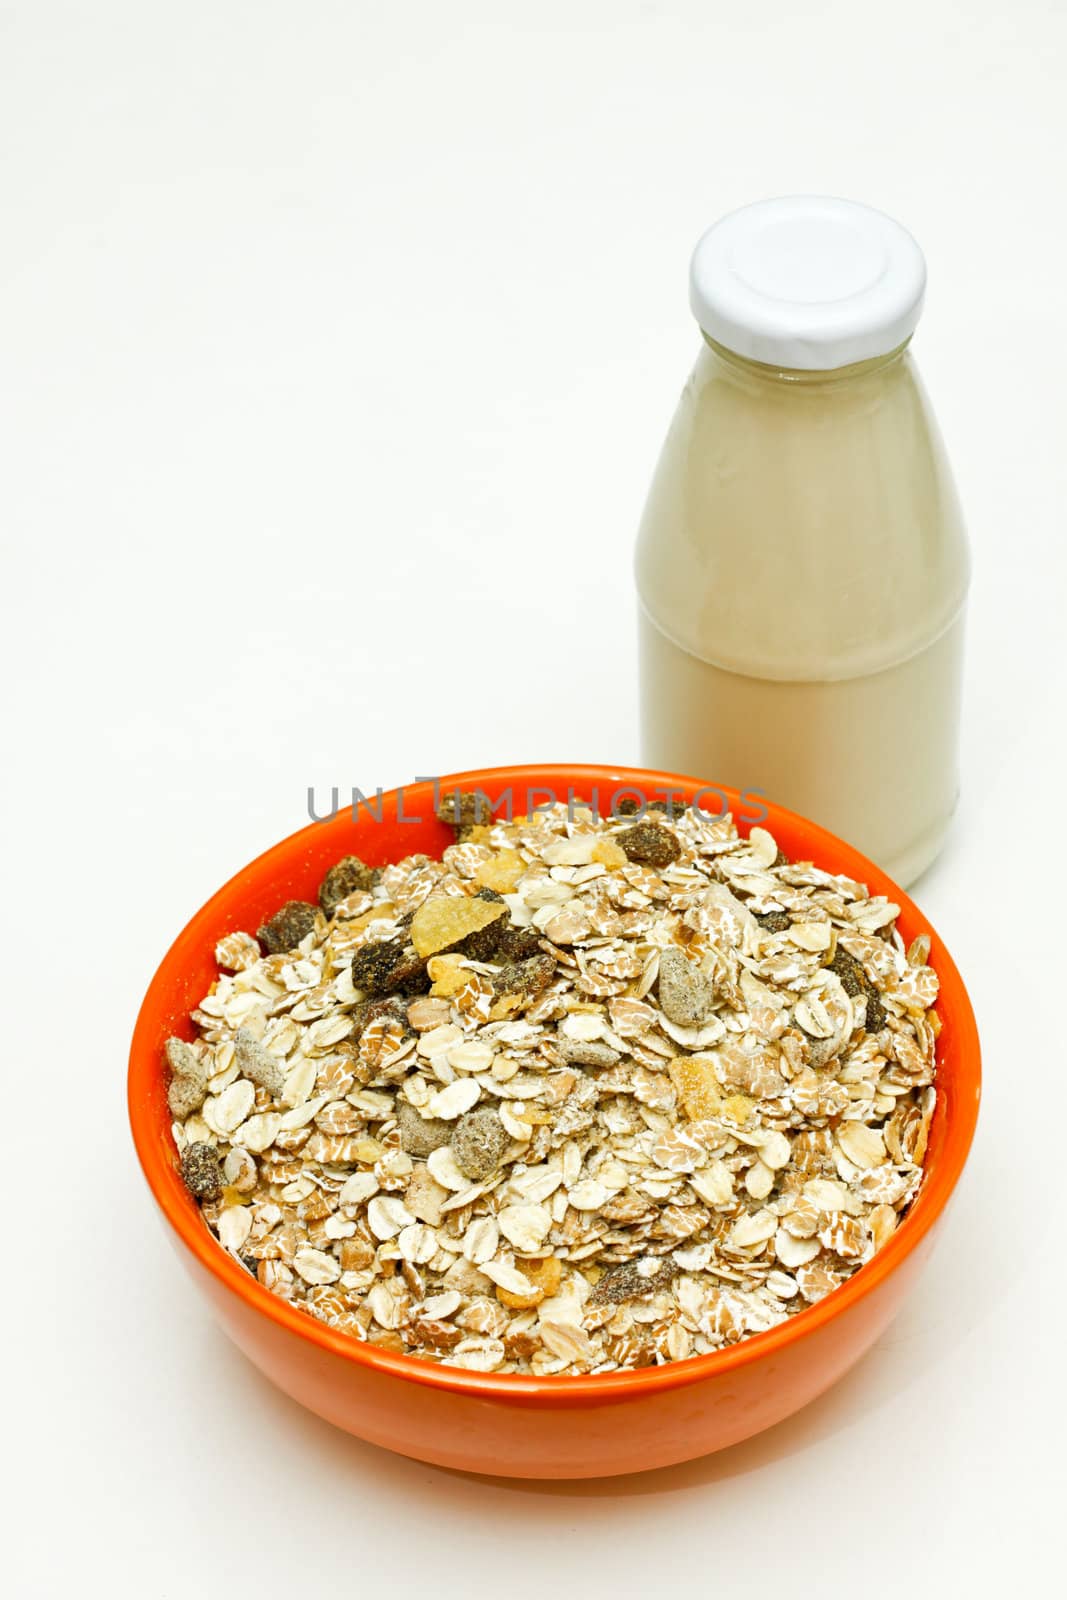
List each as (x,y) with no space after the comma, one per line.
(807,281)
(338,339)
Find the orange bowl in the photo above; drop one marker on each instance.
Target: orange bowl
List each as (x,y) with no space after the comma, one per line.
(513,1425)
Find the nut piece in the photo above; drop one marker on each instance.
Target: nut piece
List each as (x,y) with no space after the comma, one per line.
(443,921)
(649,843)
(255,1062)
(287,927)
(201,1171)
(349,875)
(478,1143)
(420,1135)
(187,1090)
(587,1053)
(686,994)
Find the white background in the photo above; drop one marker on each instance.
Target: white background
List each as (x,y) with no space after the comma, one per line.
(337,342)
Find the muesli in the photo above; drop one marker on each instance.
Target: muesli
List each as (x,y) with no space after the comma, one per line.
(583,1095)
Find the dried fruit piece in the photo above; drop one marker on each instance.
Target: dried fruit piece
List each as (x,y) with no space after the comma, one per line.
(443,921)
(347,877)
(287,927)
(607,853)
(462,809)
(478,1142)
(545,1278)
(388,966)
(482,943)
(525,979)
(517,944)
(649,843)
(855,982)
(501,872)
(202,1171)
(633,1279)
(874,1019)
(698,1090)
(774,921)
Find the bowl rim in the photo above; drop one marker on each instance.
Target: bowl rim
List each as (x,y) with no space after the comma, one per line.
(938,1182)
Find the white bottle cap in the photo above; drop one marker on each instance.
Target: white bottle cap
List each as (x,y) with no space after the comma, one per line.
(807,282)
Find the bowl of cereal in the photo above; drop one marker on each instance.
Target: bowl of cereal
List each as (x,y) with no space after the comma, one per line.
(555,1121)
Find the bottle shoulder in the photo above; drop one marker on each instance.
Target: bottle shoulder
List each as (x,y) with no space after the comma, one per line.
(802,532)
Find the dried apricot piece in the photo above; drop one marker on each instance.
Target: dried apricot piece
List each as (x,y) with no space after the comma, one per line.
(697,1085)
(501,872)
(445,920)
(545,1277)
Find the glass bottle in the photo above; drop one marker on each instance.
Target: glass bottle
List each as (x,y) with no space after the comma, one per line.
(802,565)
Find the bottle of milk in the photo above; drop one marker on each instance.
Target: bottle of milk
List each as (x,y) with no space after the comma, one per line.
(802,566)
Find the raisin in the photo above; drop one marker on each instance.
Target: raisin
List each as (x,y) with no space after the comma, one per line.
(674,807)
(529,978)
(649,843)
(516,944)
(855,982)
(464,810)
(482,944)
(388,966)
(628,1282)
(287,927)
(201,1172)
(848,969)
(875,1020)
(349,875)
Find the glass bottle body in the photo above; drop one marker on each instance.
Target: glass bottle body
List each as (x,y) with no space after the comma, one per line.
(802,570)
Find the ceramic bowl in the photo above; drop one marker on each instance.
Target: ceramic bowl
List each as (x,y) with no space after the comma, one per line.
(519,1426)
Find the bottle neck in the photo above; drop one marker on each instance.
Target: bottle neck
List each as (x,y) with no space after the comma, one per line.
(799,377)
